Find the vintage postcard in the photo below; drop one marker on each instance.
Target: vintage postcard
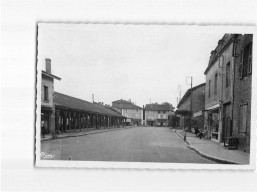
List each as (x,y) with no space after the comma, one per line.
(145,96)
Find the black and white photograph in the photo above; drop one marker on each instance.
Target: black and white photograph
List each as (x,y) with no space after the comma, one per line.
(128,96)
(155,94)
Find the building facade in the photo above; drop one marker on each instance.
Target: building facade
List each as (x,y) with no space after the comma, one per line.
(132,112)
(156,115)
(184,106)
(47,98)
(243,91)
(219,90)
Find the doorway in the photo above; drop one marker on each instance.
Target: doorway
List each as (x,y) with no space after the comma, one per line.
(227,122)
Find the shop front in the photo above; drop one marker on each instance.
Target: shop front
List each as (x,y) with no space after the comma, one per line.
(212,117)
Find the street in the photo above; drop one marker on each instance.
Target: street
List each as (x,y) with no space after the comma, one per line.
(137,144)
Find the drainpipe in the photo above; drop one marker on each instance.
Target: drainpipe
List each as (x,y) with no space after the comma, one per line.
(234,56)
(221,99)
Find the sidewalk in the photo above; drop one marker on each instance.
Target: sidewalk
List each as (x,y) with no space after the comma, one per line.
(83,132)
(213,150)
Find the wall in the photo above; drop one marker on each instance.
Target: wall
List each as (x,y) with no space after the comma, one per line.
(224,94)
(46,81)
(214,98)
(151,115)
(242,94)
(132,113)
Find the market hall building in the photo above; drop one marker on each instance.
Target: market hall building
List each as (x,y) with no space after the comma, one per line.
(61,113)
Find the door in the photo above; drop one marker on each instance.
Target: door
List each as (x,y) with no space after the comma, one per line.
(161,124)
(227,132)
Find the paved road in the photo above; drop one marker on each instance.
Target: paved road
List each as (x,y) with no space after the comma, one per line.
(139,144)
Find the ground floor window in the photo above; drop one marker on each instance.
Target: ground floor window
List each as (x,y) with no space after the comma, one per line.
(243,118)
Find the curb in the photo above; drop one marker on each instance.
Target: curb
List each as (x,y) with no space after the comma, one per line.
(86,133)
(209,157)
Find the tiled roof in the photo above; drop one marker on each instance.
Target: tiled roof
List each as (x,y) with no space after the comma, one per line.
(123,104)
(157,107)
(122,101)
(66,101)
(188,93)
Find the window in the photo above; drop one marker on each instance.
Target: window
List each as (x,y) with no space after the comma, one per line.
(215,83)
(246,61)
(243,117)
(209,92)
(228,74)
(45,93)
(158,112)
(250,59)
(163,112)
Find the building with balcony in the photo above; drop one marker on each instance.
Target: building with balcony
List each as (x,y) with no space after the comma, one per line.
(156,114)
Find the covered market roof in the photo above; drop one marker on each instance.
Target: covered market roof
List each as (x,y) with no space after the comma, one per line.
(66,101)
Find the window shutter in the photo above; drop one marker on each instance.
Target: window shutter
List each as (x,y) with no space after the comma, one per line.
(241,64)
(250,59)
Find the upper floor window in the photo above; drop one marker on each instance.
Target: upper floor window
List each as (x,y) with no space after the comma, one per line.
(163,112)
(246,61)
(45,93)
(158,112)
(216,83)
(209,92)
(228,74)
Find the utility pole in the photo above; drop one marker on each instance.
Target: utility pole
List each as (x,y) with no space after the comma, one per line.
(191,101)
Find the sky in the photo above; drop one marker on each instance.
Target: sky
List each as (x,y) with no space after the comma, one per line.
(144,63)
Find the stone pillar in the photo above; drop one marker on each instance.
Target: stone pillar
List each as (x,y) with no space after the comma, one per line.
(86,120)
(68,126)
(91,120)
(65,121)
(57,119)
(79,121)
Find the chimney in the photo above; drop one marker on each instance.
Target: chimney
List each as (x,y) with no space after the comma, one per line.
(48,65)
(129,100)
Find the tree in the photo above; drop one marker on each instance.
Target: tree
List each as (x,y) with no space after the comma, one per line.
(169,104)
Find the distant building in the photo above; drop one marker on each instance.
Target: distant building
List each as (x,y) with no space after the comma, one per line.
(243,91)
(47,98)
(132,112)
(184,105)
(156,114)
